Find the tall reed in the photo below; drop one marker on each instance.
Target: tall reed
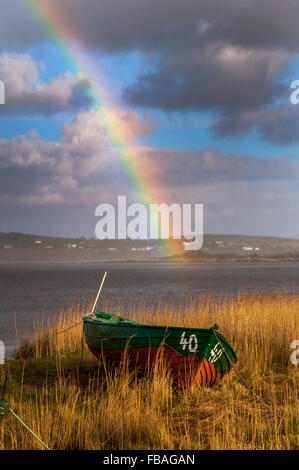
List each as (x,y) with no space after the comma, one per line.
(72,402)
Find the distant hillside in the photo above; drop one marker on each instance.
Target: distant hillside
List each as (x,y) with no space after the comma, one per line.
(24,247)
(244,245)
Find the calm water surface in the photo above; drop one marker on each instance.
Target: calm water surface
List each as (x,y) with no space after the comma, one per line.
(30,290)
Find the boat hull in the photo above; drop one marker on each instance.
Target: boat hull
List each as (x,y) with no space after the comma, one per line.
(183,369)
(192,356)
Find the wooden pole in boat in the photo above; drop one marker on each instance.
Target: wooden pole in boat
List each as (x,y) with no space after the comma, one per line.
(98,294)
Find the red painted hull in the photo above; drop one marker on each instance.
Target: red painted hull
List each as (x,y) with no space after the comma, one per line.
(185,370)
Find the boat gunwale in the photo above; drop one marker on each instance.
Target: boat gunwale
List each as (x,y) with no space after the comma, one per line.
(141,325)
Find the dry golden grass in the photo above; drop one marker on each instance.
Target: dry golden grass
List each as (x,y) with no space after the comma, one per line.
(72,402)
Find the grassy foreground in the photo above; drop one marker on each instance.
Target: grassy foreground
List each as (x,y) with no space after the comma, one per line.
(72,402)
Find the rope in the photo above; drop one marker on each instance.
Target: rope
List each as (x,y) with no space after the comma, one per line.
(25,349)
(28,429)
(43,341)
(49,338)
(245,382)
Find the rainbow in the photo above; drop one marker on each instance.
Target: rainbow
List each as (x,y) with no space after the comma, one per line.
(142,176)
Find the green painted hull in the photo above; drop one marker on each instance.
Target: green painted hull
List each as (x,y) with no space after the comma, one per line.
(201,356)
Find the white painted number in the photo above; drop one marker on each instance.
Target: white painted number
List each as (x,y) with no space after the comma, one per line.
(215,353)
(183,341)
(192,342)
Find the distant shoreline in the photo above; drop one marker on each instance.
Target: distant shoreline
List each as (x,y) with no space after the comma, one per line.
(152,261)
(22,248)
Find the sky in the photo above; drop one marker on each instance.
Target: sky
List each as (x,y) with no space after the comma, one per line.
(202,88)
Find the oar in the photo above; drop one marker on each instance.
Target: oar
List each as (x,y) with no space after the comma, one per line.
(98,294)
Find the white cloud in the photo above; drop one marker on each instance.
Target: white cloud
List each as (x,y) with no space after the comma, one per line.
(24,91)
(239,192)
(75,170)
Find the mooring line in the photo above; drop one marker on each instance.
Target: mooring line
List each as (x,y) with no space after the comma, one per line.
(28,429)
(31,346)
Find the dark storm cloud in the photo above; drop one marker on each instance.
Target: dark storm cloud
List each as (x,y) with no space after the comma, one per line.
(219,77)
(213,54)
(126,24)
(266,23)
(278,125)
(111,24)
(22,182)
(18,25)
(212,166)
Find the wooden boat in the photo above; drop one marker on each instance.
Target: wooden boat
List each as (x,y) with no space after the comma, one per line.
(193,355)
